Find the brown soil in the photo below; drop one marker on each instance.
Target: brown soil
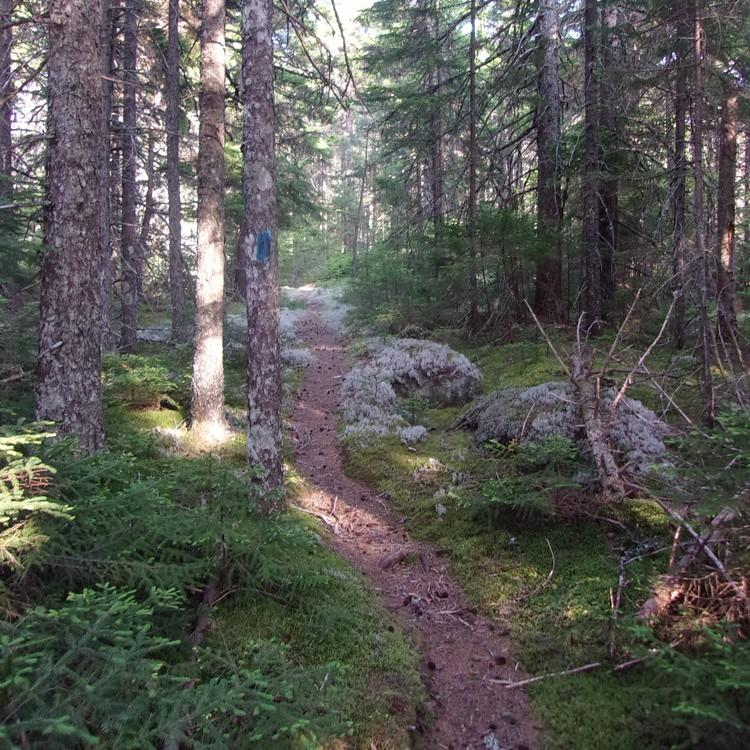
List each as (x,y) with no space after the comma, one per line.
(464,656)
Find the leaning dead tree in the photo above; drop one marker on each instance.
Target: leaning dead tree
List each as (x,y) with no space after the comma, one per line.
(598,404)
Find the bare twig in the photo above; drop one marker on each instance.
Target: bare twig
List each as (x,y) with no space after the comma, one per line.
(547,339)
(629,378)
(546,581)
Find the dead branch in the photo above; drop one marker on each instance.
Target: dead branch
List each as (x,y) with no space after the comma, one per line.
(328,520)
(578,670)
(629,379)
(613,487)
(547,339)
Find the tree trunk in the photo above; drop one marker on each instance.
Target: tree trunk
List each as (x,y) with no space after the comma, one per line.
(678,201)
(129,232)
(746,191)
(436,134)
(472,216)
(208,363)
(702,256)
(148,216)
(6,102)
(548,292)
(240,271)
(608,127)
(725,215)
(115,166)
(596,425)
(358,223)
(592,297)
(68,390)
(263,356)
(105,216)
(176,281)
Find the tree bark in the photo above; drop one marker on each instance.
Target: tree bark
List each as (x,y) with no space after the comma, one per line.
(596,425)
(592,297)
(436,133)
(148,216)
(115,166)
(681,102)
(548,291)
(472,214)
(208,362)
(725,215)
(176,281)
(702,256)
(129,232)
(105,218)
(68,390)
(263,356)
(608,128)
(358,222)
(746,191)
(6,107)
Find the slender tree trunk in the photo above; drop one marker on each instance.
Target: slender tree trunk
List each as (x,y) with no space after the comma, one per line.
(240,272)
(548,292)
(105,216)
(436,134)
(208,362)
(592,298)
(725,215)
(176,281)
(358,223)
(115,165)
(419,195)
(148,216)
(68,390)
(608,128)
(129,232)
(6,107)
(472,217)
(678,201)
(264,370)
(746,192)
(702,256)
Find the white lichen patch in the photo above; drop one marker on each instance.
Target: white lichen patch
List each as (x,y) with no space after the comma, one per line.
(412,434)
(296,357)
(408,367)
(532,414)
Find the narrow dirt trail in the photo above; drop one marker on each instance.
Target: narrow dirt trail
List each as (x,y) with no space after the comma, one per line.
(463,654)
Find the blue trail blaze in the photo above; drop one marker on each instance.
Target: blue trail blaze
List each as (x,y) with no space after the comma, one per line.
(263,246)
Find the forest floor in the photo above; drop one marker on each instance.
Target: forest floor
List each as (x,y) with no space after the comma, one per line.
(465,658)
(473,586)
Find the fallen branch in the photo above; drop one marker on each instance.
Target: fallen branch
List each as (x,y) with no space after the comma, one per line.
(329,521)
(531,680)
(701,541)
(577,670)
(613,487)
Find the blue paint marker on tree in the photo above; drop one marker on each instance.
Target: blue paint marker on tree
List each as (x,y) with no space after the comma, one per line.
(263,246)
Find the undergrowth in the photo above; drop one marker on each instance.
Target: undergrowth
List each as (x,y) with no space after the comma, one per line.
(531,551)
(104,561)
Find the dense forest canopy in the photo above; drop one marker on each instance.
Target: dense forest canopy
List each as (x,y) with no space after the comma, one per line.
(374,373)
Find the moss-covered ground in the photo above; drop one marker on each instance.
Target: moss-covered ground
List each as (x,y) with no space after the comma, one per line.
(504,562)
(357,669)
